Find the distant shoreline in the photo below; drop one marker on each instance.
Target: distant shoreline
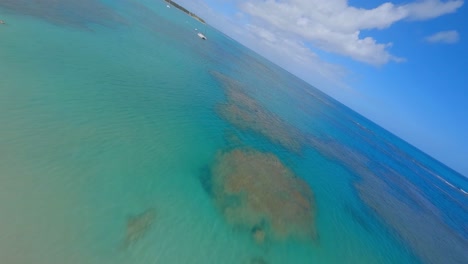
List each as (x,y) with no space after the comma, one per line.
(185,11)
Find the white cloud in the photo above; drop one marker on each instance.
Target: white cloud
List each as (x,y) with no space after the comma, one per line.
(293,54)
(334,26)
(431,8)
(448,37)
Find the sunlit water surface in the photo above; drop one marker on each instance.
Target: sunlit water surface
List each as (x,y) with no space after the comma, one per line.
(124,138)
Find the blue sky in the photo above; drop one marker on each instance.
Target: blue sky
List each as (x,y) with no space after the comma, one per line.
(402,64)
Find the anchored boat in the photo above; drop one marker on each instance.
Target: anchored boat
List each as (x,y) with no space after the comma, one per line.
(201,36)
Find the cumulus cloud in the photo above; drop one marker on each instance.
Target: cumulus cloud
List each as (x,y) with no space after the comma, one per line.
(447,37)
(293,54)
(431,8)
(335,26)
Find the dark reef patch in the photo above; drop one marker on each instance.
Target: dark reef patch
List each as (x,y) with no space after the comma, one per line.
(245,113)
(256,192)
(138,226)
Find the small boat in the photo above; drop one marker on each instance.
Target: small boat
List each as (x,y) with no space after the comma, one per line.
(201,36)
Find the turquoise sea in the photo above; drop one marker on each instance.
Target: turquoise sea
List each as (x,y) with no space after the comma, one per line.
(125,138)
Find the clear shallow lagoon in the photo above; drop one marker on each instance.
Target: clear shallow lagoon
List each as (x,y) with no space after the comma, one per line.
(113,116)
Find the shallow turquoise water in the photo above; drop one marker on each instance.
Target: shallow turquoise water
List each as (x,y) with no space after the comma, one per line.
(109,114)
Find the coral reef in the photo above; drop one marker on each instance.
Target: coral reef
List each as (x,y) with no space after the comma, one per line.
(246,113)
(400,204)
(256,191)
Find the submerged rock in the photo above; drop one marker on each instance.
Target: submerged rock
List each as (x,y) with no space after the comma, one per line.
(256,191)
(138,226)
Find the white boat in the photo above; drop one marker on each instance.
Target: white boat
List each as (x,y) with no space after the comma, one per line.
(201,36)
